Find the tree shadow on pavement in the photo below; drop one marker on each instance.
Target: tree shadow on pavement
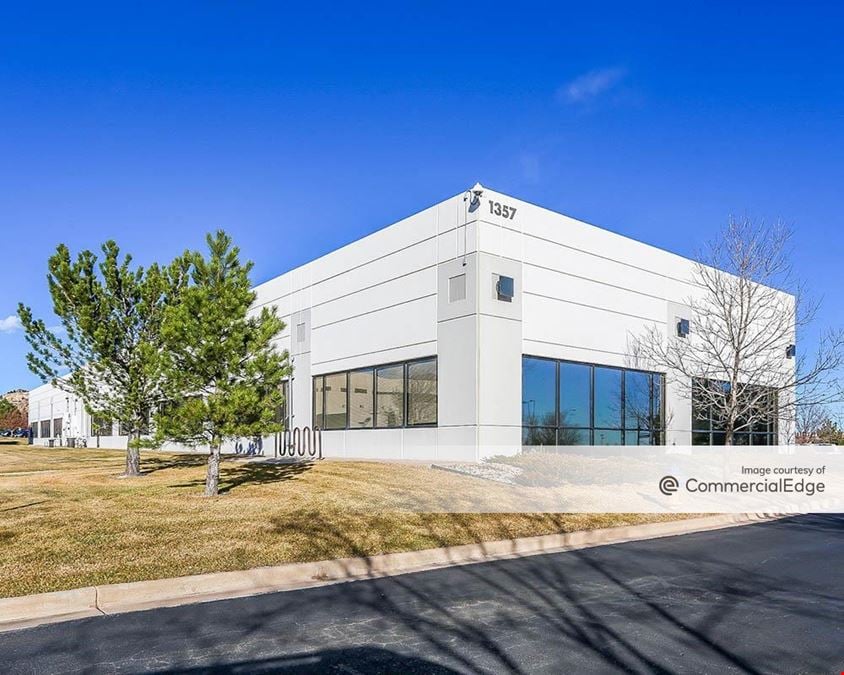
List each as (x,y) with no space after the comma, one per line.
(598,612)
(646,606)
(371,660)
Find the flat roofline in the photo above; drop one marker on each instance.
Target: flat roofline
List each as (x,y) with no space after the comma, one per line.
(505,194)
(355,241)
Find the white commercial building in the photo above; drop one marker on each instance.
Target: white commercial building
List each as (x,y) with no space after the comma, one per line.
(474,326)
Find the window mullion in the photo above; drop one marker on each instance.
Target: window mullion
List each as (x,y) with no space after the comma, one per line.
(623,407)
(406,384)
(592,405)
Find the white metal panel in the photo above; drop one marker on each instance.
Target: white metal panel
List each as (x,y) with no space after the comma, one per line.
(393,327)
(613,298)
(564,323)
(388,294)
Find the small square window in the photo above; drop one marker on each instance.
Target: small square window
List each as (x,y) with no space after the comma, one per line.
(457,288)
(505,288)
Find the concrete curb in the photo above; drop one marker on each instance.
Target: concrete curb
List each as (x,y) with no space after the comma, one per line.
(32,610)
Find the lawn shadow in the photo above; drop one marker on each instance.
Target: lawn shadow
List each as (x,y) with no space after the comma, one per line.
(235,473)
(23,506)
(152,464)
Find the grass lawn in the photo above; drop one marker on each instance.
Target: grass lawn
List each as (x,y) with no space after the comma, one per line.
(67,520)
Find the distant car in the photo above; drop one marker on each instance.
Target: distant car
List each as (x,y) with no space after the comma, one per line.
(20,433)
(5,432)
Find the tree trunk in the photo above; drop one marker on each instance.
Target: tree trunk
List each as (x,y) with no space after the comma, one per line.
(133,455)
(212,477)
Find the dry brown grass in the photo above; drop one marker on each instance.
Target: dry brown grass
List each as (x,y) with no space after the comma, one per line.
(67,520)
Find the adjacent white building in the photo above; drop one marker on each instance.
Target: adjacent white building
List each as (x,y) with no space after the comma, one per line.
(474,326)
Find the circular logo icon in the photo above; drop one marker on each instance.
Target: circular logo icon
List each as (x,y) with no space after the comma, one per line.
(668,485)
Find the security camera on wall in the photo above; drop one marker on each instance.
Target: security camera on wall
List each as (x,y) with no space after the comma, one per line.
(474,196)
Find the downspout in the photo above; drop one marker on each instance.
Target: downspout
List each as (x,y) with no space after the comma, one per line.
(477,333)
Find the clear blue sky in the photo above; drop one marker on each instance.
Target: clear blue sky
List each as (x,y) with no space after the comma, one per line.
(299,131)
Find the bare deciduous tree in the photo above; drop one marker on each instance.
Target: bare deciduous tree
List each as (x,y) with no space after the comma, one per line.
(746,310)
(810,419)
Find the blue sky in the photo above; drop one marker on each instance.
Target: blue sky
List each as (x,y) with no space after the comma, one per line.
(299,131)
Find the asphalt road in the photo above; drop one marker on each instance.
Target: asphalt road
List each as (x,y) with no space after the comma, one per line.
(766,598)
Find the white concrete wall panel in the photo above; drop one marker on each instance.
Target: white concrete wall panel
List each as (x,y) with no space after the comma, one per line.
(376,336)
(408,288)
(500,372)
(457,362)
(576,290)
(564,323)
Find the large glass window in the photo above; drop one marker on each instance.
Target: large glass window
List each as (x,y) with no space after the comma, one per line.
(757,426)
(539,436)
(45,429)
(336,403)
(637,400)
(567,403)
(34,429)
(124,429)
(575,394)
(282,412)
(607,410)
(422,392)
(57,427)
(388,396)
(539,400)
(319,391)
(362,399)
(100,426)
(574,436)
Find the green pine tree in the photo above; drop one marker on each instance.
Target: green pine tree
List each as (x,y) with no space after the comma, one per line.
(223,372)
(107,351)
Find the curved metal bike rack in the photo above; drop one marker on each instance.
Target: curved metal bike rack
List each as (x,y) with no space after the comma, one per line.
(301,443)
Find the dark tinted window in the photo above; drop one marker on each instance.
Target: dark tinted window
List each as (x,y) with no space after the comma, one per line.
(335,401)
(362,399)
(389,396)
(756,423)
(422,392)
(394,395)
(319,387)
(100,426)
